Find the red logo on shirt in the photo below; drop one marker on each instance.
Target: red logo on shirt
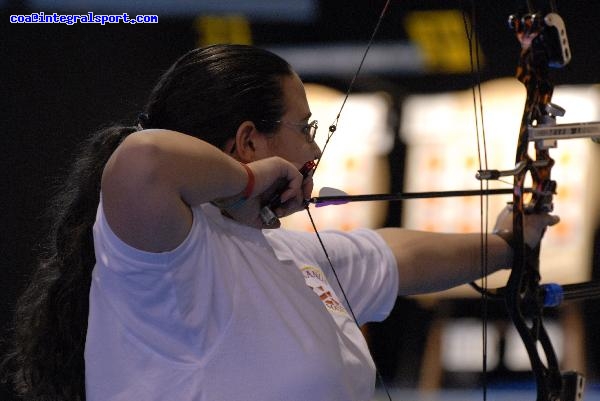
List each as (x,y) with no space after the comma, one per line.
(315,279)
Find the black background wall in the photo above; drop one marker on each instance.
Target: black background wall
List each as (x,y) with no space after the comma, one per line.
(59,83)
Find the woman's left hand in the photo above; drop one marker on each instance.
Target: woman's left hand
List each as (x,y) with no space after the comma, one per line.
(534,225)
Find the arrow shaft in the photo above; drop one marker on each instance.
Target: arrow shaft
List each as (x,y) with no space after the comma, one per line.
(340,199)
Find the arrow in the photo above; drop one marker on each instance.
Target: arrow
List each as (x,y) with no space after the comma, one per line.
(332,196)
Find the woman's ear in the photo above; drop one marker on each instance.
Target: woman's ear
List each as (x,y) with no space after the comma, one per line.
(248,143)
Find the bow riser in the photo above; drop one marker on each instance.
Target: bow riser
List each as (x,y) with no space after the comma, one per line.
(524,297)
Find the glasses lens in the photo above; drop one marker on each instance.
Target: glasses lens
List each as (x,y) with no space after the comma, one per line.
(312,130)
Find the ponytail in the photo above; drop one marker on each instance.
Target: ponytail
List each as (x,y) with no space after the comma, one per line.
(46,361)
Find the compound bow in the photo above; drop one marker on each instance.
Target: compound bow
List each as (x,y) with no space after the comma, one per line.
(544,45)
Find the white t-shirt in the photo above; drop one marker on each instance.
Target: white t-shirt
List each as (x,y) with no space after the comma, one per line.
(235,313)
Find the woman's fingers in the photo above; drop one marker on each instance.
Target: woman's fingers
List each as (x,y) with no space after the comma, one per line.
(280,187)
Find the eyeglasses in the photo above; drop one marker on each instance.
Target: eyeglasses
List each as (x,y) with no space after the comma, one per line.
(309,130)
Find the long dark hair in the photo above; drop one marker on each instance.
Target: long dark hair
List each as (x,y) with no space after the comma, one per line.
(207,93)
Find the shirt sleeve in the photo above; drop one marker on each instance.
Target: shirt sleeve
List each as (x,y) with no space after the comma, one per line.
(367,272)
(361,260)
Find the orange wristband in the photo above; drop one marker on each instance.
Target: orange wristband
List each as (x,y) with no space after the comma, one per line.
(249,185)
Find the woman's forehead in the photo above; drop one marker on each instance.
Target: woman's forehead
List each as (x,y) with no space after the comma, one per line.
(296,104)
